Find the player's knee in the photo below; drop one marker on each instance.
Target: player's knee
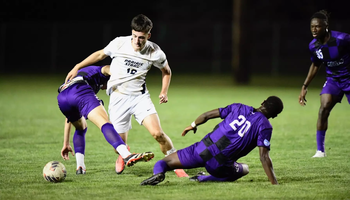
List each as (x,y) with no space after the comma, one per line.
(159,136)
(245,169)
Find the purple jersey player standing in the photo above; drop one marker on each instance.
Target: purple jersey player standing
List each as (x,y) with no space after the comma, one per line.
(332,50)
(242,129)
(77,100)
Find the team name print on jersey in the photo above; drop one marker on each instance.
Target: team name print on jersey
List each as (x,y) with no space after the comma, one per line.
(132,63)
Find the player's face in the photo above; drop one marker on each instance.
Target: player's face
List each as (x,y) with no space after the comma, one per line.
(318,28)
(139,39)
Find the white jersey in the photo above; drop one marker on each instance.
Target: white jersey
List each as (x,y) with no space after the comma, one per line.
(129,67)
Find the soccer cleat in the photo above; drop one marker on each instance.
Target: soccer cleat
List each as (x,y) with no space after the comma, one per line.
(120,164)
(195,178)
(136,157)
(180,173)
(154,180)
(80,170)
(319,154)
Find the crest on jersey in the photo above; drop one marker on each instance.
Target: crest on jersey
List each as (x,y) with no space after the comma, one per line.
(319,54)
(266,142)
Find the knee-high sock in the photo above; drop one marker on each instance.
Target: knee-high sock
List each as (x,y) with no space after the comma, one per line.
(79,141)
(160,167)
(111,135)
(320,138)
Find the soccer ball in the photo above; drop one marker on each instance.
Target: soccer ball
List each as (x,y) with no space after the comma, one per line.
(54,171)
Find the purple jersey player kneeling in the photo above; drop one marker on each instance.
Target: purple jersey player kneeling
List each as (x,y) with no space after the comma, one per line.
(242,129)
(77,100)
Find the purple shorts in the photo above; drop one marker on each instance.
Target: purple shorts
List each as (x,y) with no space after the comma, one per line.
(76,101)
(337,88)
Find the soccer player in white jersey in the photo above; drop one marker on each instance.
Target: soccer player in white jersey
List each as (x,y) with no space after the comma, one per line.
(132,57)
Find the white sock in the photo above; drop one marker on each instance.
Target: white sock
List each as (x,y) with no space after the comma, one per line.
(123,151)
(80,160)
(170,151)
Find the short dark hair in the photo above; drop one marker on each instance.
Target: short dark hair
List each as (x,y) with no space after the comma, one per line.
(141,23)
(273,105)
(322,14)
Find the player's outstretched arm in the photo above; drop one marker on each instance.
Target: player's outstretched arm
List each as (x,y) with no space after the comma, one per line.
(201,120)
(66,146)
(310,76)
(267,164)
(91,59)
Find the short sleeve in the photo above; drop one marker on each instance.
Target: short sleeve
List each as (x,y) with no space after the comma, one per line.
(161,61)
(227,110)
(264,138)
(112,46)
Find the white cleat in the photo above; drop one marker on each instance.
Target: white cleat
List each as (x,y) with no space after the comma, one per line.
(319,154)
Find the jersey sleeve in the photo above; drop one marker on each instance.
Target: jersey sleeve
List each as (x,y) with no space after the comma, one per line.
(161,62)
(227,110)
(264,138)
(113,46)
(313,56)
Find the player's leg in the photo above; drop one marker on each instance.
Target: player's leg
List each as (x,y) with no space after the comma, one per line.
(152,124)
(236,171)
(330,95)
(186,158)
(79,144)
(67,102)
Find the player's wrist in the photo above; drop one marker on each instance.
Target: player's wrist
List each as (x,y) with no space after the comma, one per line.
(193,124)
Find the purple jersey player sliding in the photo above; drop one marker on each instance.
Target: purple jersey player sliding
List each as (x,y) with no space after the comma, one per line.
(332,50)
(77,100)
(242,129)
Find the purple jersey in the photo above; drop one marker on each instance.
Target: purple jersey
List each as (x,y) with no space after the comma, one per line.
(335,54)
(78,97)
(240,132)
(94,77)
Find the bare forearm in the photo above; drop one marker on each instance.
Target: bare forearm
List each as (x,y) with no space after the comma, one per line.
(311,74)
(165,83)
(268,168)
(67,129)
(201,119)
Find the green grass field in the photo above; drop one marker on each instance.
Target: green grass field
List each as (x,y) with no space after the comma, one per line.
(31,134)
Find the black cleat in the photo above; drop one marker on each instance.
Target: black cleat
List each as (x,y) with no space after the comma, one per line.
(195,178)
(154,180)
(80,170)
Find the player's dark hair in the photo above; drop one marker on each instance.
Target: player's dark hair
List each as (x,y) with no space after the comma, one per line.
(274,105)
(141,23)
(322,14)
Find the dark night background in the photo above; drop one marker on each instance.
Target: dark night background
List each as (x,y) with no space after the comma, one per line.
(52,36)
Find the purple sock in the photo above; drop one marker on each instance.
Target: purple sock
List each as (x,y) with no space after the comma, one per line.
(160,167)
(320,138)
(79,141)
(111,135)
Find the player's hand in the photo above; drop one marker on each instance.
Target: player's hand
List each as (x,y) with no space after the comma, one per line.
(73,73)
(163,98)
(189,128)
(65,152)
(302,99)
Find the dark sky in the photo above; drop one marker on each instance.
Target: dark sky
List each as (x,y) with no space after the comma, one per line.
(63,10)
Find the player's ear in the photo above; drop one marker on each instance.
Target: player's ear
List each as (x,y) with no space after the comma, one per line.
(149,36)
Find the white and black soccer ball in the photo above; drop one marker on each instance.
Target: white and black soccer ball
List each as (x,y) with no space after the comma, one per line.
(54,171)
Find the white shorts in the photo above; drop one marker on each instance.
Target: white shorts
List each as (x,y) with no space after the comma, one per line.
(122,107)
